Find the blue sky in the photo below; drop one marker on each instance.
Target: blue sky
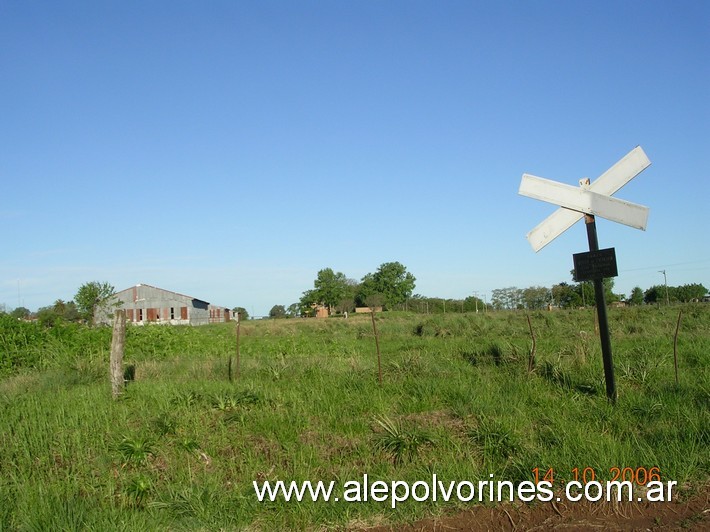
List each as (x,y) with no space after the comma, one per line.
(230,150)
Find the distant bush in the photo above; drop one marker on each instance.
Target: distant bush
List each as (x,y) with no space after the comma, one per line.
(26,344)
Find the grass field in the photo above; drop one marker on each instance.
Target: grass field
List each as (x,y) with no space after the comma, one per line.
(181,448)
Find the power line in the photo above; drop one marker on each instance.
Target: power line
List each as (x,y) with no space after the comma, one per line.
(666,265)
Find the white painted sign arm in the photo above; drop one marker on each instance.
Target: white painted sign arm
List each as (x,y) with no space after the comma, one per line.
(584,200)
(632,164)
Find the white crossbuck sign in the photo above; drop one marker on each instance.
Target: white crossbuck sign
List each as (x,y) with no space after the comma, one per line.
(594,199)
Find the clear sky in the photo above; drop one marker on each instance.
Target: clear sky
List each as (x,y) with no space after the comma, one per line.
(231,149)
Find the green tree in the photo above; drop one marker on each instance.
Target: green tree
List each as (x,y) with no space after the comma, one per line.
(473,304)
(243,314)
(20,313)
(366,289)
(691,292)
(636,297)
(47,316)
(277,311)
(391,281)
(347,302)
(507,298)
(93,297)
(59,311)
(67,310)
(330,288)
(374,301)
(536,297)
(586,291)
(655,294)
(307,303)
(566,296)
(685,293)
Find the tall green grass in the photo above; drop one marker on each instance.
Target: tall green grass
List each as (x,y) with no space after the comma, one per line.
(182,446)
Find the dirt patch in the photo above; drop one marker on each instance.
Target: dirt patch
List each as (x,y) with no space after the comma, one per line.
(690,514)
(329,448)
(437,419)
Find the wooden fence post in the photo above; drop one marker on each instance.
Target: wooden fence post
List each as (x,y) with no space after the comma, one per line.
(118,342)
(239,321)
(377,345)
(531,356)
(675,347)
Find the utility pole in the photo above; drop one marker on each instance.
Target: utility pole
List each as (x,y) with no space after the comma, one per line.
(665,283)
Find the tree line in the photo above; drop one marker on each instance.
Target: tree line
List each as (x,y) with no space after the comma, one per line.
(576,295)
(82,308)
(391,286)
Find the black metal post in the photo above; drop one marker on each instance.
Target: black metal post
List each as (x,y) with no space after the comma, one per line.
(601,314)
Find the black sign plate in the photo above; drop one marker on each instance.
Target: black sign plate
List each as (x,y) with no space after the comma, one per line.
(595,265)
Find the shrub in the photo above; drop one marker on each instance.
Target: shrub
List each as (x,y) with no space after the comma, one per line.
(402,444)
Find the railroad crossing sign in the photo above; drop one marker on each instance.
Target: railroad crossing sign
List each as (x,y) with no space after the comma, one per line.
(588,201)
(594,199)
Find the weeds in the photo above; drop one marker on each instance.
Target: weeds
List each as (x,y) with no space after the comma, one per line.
(494,438)
(186,399)
(493,354)
(224,402)
(165,425)
(402,444)
(138,489)
(135,450)
(411,363)
(554,372)
(187,444)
